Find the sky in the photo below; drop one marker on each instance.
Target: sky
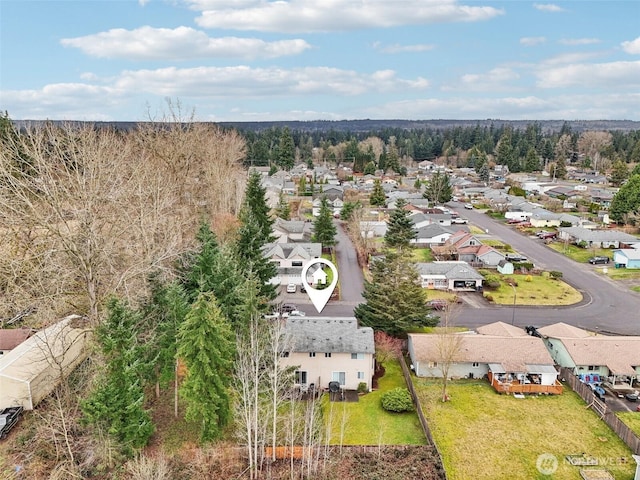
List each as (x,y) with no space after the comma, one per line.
(265,60)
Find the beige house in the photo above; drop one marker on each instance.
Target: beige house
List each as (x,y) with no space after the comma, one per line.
(29,372)
(328,349)
(512,362)
(617,358)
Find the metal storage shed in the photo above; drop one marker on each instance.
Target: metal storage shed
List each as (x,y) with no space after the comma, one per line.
(31,371)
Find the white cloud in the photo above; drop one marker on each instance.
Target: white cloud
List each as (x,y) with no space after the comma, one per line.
(568,58)
(148,43)
(579,41)
(532,41)
(499,78)
(333,15)
(548,7)
(397,48)
(632,47)
(244,81)
(613,75)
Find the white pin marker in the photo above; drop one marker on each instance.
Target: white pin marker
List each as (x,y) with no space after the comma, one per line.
(318,297)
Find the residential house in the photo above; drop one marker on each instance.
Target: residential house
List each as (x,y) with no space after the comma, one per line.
(511,363)
(455,276)
(617,358)
(596,238)
(290,259)
(31,371)
(335,205)
(373,229)
(330,192)
(601,197)
(329,349)
(466,247)
(10,338)
(291,231)
(626,258)
(433,234)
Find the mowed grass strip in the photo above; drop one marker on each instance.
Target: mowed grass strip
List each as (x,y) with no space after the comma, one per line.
(631,420)
(366,423)
(484,435)
(534,290)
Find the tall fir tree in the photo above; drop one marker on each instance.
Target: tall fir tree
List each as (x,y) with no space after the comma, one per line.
(377,198)
(395,300)
(400,228)
(116,405)
(286,150)
(255,201)
(619,173)
(324,230)
(438,189)
(283,210)
(206,345)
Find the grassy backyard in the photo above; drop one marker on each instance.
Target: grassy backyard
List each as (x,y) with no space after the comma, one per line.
(367,423)
(484,435)
(632,420)
(533,290)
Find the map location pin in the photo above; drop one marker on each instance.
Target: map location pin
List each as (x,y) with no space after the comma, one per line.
(319,297)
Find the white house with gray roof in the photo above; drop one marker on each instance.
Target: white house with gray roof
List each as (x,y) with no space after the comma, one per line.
(454,275)
(328,349)
(596,238)
(290,258)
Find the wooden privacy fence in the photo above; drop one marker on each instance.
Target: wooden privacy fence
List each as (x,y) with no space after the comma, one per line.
(416,401)
(608,416)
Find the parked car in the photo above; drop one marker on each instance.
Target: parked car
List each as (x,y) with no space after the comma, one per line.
(468,206)
(288,307)
(292,288)
(8,418)
(597,260)
(514,257)
(632,397)
(297,313)
(543,234)
(459,220)
(598,391)
(438,303)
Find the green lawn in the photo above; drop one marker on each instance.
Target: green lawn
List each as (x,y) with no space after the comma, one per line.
(484,435)
(367,423)
(578,254)
(632,420)
(534,290)
(422,255)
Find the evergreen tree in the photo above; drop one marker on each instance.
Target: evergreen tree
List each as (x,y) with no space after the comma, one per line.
(417,184)
(484,172)
(395,301)
(255,201)
(347,210)
(438,189)
(561,168)
(324,230)
(206,345)
(619,173)
(302,186)
(627,200)
(286,150)
(400,228)
(377,198)
(393,156)
(283,210)
(532,161)
(116,406)
(370,168)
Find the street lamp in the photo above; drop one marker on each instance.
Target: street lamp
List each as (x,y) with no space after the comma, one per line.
(513,313)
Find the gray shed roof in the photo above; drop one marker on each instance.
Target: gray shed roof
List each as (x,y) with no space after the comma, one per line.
(329,334)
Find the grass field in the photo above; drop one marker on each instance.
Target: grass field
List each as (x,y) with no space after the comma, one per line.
(534,290)
(367,423)
(632,420)
(483,435)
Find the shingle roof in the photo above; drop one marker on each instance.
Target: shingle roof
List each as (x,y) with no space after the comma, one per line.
(329,334)
(501,329)
(563,330)
(455,269)
(515,354)
(599,235)
(619,354)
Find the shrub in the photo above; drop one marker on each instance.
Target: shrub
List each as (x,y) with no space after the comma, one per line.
(397,400)
(492,281)
(555,274)
(362,387)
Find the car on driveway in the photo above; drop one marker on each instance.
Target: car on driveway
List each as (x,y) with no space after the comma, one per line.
(632,397)
(292,288)
(598,260)
(438,303)
(544,235)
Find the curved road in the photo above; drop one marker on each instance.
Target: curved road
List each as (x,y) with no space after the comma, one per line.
(606,306)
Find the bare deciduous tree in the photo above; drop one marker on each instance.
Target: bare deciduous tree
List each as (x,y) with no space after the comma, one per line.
(448,345)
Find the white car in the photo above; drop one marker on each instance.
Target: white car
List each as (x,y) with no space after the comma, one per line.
(468,206)
(297,313)
(459,220)
(292,288)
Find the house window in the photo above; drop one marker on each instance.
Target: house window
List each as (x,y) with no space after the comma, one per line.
(475,364)
(327,354)
(312,354)
(591,368)
(301,377)
(296,263)
(360,375)
(284,354)
(357,356)
(339,377)
(432,364)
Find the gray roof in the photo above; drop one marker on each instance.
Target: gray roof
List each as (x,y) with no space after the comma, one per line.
(457,270)
(432,230)
(329,335)
(599,235)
